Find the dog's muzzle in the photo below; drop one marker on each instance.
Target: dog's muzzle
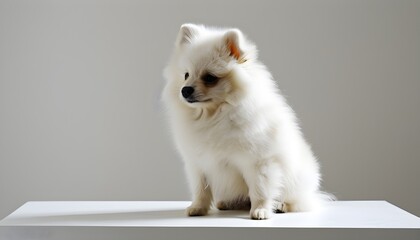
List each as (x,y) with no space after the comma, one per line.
(187,93)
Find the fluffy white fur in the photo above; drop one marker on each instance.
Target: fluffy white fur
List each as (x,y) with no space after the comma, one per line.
(240,140)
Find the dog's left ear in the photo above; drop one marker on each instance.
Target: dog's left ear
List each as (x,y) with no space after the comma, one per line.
(232,40)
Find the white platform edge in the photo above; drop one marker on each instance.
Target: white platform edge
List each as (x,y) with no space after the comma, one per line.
(170,214)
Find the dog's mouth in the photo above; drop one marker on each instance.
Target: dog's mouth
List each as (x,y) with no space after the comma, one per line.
(194,100)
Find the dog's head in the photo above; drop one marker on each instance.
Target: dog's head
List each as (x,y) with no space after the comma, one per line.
(205,64)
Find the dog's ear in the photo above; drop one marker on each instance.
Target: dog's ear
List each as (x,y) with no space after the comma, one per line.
(232,40)
(187,33)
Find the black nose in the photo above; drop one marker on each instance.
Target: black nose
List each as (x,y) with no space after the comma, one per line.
(187,91)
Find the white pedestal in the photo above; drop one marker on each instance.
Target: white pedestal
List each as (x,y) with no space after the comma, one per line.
(167,220)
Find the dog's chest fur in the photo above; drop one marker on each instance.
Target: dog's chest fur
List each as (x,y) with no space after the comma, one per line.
(234,131)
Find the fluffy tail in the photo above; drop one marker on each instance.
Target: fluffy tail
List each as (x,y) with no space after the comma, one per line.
(322,199)
(307,203)
(326,197)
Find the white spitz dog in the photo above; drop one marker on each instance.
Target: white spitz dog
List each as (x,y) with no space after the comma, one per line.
(239,139)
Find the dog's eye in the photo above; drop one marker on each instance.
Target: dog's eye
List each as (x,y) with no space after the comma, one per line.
(186,75)
(210,79)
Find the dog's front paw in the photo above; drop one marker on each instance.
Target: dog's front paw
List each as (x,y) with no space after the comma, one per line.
(196,211)
(261,213)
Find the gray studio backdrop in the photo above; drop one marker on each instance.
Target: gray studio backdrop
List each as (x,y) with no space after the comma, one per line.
(80,83)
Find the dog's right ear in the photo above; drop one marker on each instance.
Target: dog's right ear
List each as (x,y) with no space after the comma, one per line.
(187,33)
